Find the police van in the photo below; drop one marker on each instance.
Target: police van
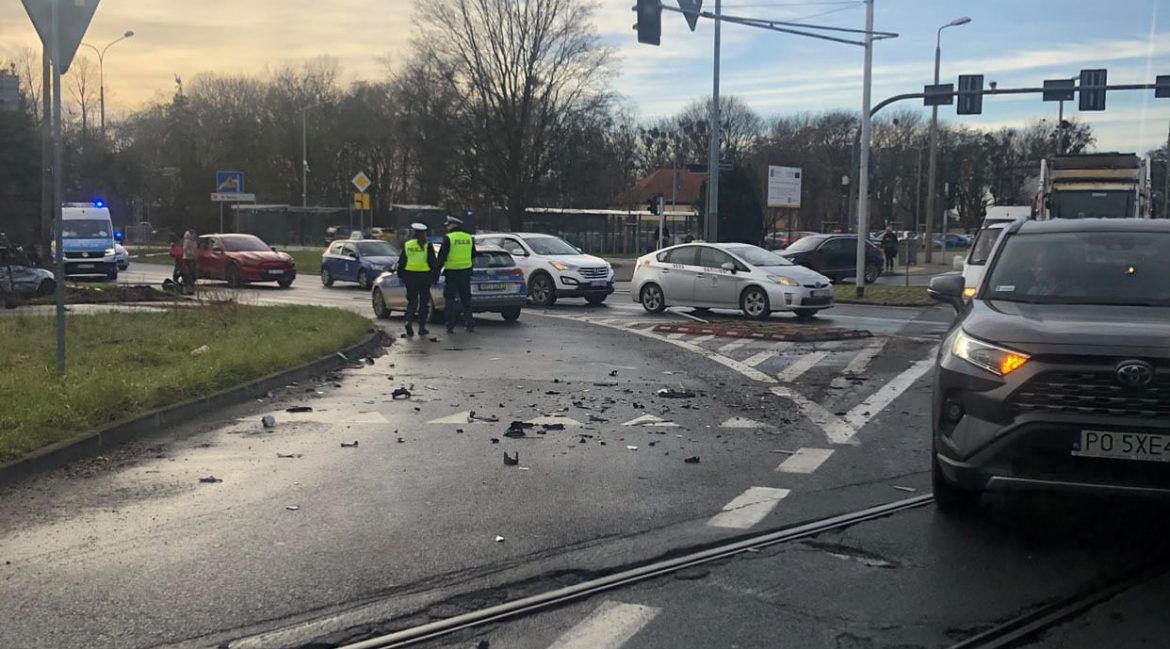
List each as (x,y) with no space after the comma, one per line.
(87,236)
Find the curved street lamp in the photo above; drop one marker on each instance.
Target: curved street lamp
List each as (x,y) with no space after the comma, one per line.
(933,173)
(101,54)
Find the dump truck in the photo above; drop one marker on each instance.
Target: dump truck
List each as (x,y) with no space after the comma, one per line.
(1096,185)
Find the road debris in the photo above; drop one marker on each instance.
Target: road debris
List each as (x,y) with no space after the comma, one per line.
(368,361)
(345,445)
(510,460)
(548,427)
(199,351)
(631,448)
(692,460)
(401,441)
(613,373)
(495,440)
(268,421)
(484,644)
(499,539)
(671,393)
(906,489)
(293,508)
(400,393)
(289,456)
(517,429)
(298,409)
(210,480)
(434,340)
(597,420)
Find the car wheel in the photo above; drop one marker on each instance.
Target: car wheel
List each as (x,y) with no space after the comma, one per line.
(233,277)
(380,310)
(872,272)
(805,314)
(46,288)
(754,303)
(541,290)
(596,300)
(511,315)
(112,275)
(284,283)
(652,298)
(364,279)
(950,498)
(326,277)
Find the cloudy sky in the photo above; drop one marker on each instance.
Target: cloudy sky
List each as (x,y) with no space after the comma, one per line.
(1014,42)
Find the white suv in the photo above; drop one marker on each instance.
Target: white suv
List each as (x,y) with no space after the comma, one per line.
(554,269)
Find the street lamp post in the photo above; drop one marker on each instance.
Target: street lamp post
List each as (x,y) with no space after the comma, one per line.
(305,151)
(933,166)
(101,54)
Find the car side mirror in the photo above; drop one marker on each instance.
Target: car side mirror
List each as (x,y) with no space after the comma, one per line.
(729,266)
(948,289)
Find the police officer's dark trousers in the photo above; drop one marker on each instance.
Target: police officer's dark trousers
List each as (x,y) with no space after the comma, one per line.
(458,287)
(418,296)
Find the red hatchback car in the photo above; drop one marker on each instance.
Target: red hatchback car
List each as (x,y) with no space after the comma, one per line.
(238,259)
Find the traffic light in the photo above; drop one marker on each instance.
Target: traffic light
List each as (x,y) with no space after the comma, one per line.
(649,23)
(1162,86)
(970,94)
(942,94)
(1092,89)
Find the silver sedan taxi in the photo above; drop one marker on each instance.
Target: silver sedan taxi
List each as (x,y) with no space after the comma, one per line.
(728,276)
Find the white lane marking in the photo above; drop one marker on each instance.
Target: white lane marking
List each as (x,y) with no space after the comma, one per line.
(741,422)
(802,365)
(859,363)
(651,421)
(748,508)
(731,363)
(556,419)
(863,412)
(675,336)
(836,430)
(805,460)
(608,627)
(702,339)
(759,358)
(457,418)
(733,345)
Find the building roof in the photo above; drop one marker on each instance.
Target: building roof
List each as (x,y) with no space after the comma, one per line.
(659,182)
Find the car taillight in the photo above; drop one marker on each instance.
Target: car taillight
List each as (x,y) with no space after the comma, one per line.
(516,272)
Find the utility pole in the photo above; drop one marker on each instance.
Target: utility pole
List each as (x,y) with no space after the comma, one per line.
(58,189)
(863,172)
(304,157)
(1166,181)
(712,229)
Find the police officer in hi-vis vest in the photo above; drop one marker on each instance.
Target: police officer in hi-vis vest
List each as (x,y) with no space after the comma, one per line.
(418,267)
(455,256)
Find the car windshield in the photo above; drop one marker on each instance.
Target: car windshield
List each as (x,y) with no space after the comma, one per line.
(493,259)
(1091,205)
(85,229)
(244,243)
(376,249)
(757,256)
(550,246)
(984,242)
(1115,268)
(805,244)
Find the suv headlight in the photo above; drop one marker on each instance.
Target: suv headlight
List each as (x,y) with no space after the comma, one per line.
(783,281)
(561,267)
(110,252)
(994,359)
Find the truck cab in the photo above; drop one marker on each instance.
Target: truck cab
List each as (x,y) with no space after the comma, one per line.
(87,237)
(1099,185)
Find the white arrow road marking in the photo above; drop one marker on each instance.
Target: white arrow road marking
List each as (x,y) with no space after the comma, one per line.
(741,422)
(457,418)
(859,362)
(608,627)
(748,508)
(836,430)
(802,365)
(805,460)
(651,421)
(543,421)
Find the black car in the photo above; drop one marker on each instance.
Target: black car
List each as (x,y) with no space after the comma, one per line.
(337,232)
(1057,373)
(835,256)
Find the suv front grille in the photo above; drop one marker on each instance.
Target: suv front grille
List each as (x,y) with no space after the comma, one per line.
(1094,393)
(594,272)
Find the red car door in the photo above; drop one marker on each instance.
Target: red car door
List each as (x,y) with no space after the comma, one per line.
(212,259)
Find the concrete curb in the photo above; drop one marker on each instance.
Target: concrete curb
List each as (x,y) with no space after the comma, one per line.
(152,423)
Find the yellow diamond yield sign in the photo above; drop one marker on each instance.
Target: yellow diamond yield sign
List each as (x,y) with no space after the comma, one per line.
(362,181)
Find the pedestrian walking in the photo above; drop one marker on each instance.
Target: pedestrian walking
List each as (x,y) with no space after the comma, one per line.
(455,256)
(890,247)
(418,268)
(190,254)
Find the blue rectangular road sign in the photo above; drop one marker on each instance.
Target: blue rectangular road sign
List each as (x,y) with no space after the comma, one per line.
(229,182)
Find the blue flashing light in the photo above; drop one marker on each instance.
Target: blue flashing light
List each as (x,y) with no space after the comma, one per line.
(99,203)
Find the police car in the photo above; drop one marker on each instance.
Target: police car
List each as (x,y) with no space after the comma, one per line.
(497,286)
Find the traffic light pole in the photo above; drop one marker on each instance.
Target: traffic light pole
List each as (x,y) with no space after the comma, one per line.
(716,128)
(863,175)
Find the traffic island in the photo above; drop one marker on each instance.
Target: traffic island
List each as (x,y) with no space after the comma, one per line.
(884,295)
(784,331)
(130,374)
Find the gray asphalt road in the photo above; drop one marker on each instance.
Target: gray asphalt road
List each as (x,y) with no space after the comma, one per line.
(423,519)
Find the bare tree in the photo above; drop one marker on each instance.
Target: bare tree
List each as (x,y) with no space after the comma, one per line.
(524,70)
(28,68)
(82,80)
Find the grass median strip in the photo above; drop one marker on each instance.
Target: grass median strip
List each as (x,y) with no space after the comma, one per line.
(884,295)
(122,364)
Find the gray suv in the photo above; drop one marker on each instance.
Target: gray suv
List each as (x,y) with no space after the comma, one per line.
(1057,373)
